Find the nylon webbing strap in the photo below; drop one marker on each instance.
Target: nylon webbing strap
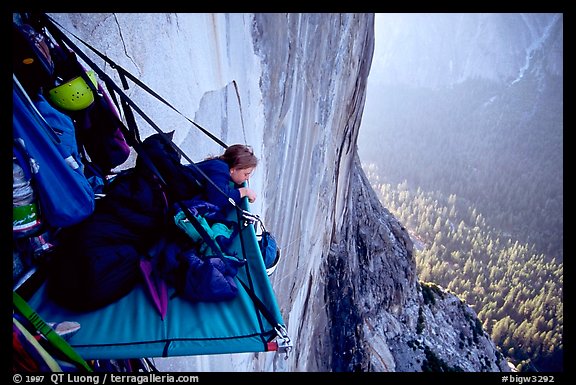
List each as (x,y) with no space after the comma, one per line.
(55,31)
(42,356)
(98,97)
(261,306)
(202,231)
(47,331)
(124,72)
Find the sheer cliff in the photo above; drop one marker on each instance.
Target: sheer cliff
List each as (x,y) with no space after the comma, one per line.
(293,86)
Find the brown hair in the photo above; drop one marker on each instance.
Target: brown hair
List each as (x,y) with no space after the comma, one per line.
(239,156)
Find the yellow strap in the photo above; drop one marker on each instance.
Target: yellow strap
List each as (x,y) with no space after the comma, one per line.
(53,337)
(51,362)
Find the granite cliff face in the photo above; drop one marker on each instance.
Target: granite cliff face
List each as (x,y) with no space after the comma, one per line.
(293,86)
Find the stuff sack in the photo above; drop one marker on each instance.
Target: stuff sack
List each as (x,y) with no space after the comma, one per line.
(268,247)
(203,279)
(64,194)
(99,128)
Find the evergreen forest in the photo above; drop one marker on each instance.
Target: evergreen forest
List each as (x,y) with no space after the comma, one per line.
(516,291)
(479,186)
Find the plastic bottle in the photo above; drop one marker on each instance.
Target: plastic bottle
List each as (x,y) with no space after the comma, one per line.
(25,218)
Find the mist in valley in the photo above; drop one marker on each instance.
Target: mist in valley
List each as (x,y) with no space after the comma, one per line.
(462,138)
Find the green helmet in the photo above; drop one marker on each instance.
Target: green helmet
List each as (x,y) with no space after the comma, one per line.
(75,94)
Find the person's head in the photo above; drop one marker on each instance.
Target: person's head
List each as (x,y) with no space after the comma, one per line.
(241,161)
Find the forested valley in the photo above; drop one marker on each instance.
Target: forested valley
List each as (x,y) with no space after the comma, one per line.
(480,189)
(516,291)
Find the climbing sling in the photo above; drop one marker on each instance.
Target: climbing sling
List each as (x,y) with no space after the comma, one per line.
(53,337)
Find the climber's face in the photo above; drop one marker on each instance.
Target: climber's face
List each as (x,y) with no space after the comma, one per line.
(241,175)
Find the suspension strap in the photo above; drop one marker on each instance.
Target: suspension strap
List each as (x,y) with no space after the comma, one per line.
(53,29)
(280,330)
(124,73)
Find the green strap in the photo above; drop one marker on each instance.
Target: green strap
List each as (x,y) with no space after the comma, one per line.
(47,331)
(45,356)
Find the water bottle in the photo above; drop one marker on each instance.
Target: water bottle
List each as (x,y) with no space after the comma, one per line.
(25,218)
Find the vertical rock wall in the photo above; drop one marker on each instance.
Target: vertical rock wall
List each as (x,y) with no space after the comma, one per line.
(314,80)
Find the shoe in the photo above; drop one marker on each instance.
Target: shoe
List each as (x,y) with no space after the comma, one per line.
(65,329)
